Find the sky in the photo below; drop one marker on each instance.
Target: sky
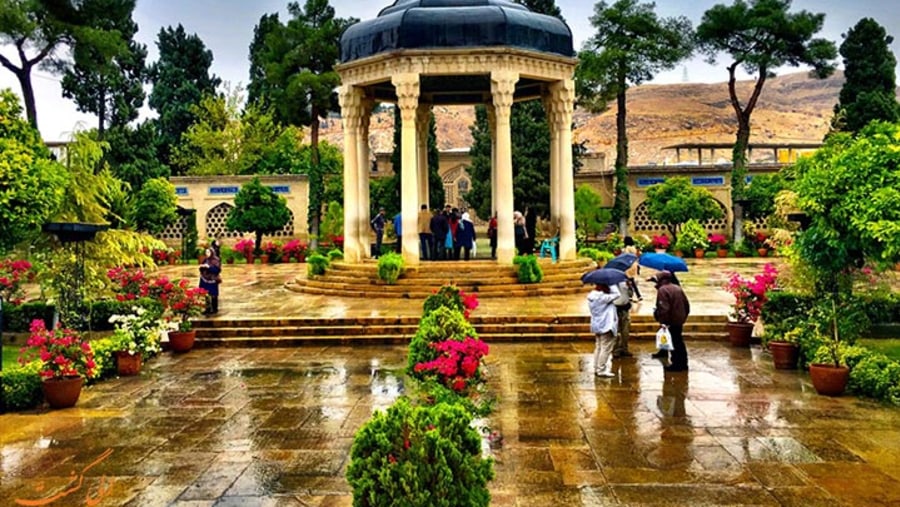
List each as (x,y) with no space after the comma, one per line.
(226,27)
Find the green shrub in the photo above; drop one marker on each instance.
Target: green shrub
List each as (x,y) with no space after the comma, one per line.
(390,267)
(21,387)
(17,318)
(439,325)
(335,254)
(876,376)
(692,237)
(446,297)
(419,456)
(316,264)
(529,269)
(784,311)
(882,308)
(104,349)
(599,256)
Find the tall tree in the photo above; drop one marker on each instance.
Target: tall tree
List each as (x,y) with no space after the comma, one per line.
(109,86)
(299,60)
(870,90)
(258,91)
(760,36)
(180,79)
(133,153)
(630,46)
(38,30)
(388,193)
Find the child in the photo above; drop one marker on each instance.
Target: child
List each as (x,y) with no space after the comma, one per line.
(604,323)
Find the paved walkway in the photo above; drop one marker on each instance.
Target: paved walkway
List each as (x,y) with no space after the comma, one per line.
(274,426)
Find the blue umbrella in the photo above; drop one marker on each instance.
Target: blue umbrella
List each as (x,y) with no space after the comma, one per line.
(622,262)
(604,277)
(663,261)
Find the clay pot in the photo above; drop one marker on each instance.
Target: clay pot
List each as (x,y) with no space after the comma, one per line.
(828,379)
(763,252)
(784,355)
(739,333)
(738,253)
(182,341)
(722,253)
(128,365)
(264,259)
(699,253)
(679,253)
(660,250)
(62,392)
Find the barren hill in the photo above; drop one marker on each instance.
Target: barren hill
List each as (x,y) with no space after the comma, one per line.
(792,108)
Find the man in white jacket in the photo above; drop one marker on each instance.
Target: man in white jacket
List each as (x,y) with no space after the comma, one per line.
(604,325)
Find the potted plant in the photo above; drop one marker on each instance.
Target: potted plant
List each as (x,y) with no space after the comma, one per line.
(137,335)
(749,297)
(761,242)
(66,360)
(271,252)
(692,238)
(294,249)
(245,247)
(660,243)
(785,350)
(829,378)
(720,242)
(182,303)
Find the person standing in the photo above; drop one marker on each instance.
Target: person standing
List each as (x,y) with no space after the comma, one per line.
(439,230)
(424,220)
(623,313)
(398,231)
(634,270)
(521,233)
(492,235)
(210,278)
(603,324)
(530,230)
(672,310)
(452,242)
(377,224)
(465,234)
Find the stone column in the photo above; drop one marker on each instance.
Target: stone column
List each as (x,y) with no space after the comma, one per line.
(423,115)
(503,86)
(492,128)
(553,123)
(363,152)
(407,87)
(351,112)
(563,98)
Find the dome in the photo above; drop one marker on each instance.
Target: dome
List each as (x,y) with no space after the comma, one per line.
(446,24)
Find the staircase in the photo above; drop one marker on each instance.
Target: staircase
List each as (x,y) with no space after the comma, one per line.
(486,278)
(387,330)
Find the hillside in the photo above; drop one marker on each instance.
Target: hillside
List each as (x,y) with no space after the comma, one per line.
(792,108)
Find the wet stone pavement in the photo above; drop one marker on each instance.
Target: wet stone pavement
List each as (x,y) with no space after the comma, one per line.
(236,427)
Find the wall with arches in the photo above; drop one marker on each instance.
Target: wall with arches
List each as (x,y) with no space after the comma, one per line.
(213,197)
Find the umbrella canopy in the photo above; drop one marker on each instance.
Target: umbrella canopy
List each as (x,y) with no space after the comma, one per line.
(663,261)
(622,262)
(604,276)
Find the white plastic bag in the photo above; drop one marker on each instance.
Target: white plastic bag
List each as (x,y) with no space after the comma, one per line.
(664,339)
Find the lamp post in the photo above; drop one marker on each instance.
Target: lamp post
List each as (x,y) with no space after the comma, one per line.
(75,234)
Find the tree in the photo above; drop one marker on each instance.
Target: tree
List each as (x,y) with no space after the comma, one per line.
(388,192)
(299,60)
(675,201)
(869,91)
(133,154)
(849,190)
(590,215)
(110,86)
(180,79)
(760,36)
(155,206)
(258,209)
(630,46)
(259,91)
(760,195)
(33,183)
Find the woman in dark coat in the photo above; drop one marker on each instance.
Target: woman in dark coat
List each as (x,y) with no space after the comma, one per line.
(465,234)
(210,278)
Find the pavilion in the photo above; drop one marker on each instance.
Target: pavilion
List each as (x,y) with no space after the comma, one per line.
(421,53)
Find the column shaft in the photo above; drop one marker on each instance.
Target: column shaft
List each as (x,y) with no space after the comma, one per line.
(364,208)
(423,117)
(564,98)
(407,87)
(350,99)
(503,85)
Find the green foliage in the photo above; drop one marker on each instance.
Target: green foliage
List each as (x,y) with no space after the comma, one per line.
(180,79)
(335,254)
(439,325)
(258,209)
(760,195)
(17,318)
(783,311)
(21,387)
(333,221)
(133,154)
(419,456)
(104,358)
(692,237)
(447,296)
(601,257)
(869,90)
(675,201)
(33,184)
(390,267)
(876,376)
(529,269)
(154,206)
(316,264)
(849,189)
(590,215)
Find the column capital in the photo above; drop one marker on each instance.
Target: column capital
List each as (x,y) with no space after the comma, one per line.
(350,99)
(503,88)
(406,86)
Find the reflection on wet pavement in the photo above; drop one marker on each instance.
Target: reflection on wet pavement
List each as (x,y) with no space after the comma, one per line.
(274,427)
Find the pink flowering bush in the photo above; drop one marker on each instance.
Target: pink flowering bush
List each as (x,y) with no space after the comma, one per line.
(457,364)
(62,352)
(750,294)
(451,297)
(294,248)
(181,302)
(718,240)
(245,247)
(661,241)
(12,274)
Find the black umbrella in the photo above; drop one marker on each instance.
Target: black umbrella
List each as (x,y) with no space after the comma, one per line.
(622,262)
(604,276)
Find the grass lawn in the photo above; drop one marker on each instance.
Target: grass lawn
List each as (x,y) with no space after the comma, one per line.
(10,355)
(888,347)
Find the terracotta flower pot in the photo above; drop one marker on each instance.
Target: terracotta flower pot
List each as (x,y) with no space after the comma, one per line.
(286,258)
(128,365)
(182,341)
(62,392)
(739,333)
(784,355)
(721,253)
(738,253)
(660,250)
(264,259)
(699,253)
(229,260)
(828,379)
(763,252)
(248,258)
(679,253)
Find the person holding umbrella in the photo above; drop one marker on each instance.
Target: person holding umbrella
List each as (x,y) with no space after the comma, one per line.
(672,310)
(604,323)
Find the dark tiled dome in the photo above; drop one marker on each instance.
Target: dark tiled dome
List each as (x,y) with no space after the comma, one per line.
(442,24)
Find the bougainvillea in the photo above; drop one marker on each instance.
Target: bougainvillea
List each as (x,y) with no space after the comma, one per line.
(62,352)
(457,364)
(750,294)
(180,301)
(12,274)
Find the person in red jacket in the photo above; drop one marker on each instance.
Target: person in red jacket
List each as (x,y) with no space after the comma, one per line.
(672,310)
